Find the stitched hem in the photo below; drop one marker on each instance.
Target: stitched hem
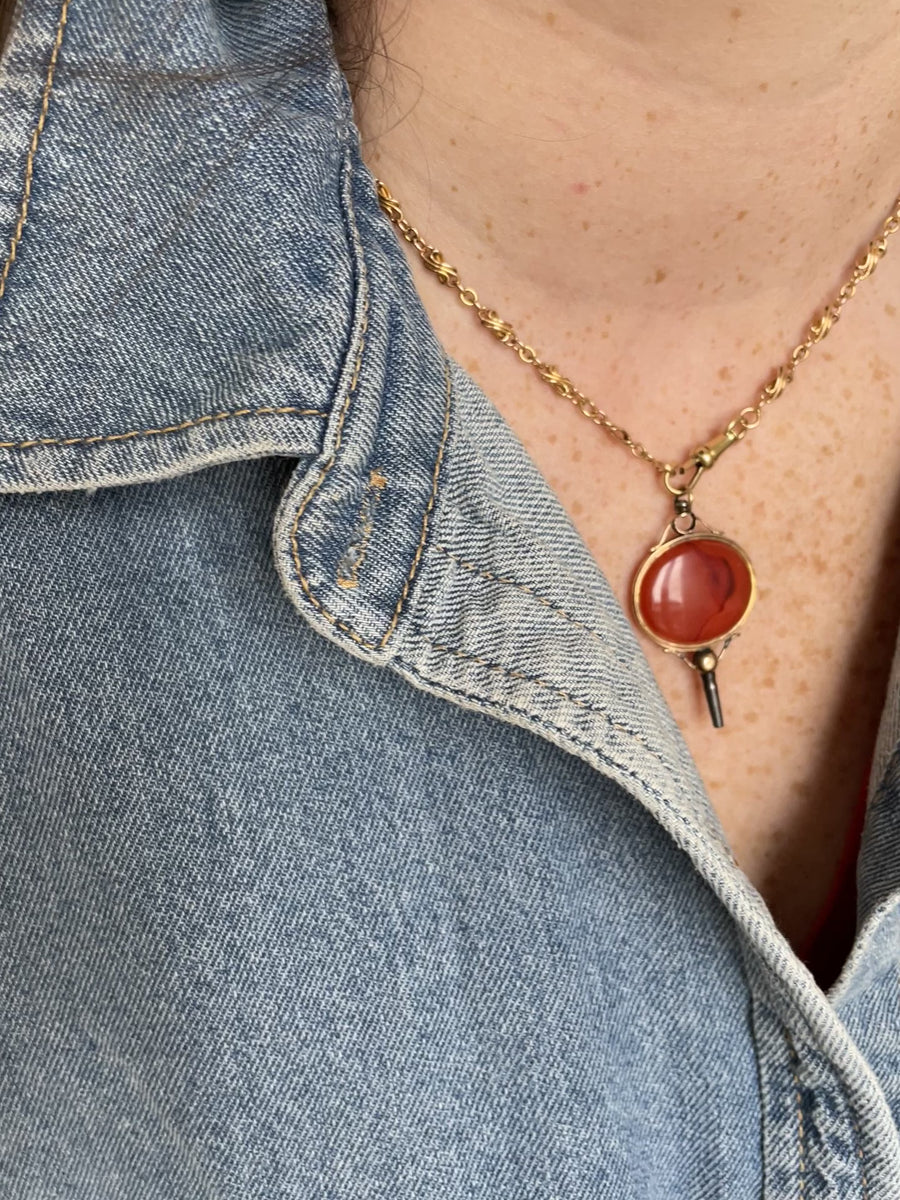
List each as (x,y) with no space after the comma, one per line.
(326,467)
(511,673)
(801,1127)
(542,723)
(287,410)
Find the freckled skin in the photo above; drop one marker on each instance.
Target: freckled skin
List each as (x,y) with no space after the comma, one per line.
(750,254)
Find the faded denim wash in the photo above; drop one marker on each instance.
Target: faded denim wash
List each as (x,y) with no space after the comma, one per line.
(349,849)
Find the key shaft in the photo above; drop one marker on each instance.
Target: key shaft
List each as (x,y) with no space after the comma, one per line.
(706,662)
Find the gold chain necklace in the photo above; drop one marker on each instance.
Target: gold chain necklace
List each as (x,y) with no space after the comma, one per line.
(695,587)
(33,146)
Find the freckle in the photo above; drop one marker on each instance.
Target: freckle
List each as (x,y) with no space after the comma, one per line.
(751,718)
(801,688)
(453,187)
(550,18)
(660,275)
(890,310)
(768,682)
(724,372)
(453,141)
(759,508)
(859,481)
(488,224)
(651,116)
(577,508)
(763,87)
(551,438)
(736,14)
(598,183)
(585,225)
(577,456)
(607,318)
(819,564)
(579,188)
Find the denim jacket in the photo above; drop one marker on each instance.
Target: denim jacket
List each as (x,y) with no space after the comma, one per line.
(349,849)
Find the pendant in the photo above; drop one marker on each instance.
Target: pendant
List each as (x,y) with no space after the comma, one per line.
(694,589)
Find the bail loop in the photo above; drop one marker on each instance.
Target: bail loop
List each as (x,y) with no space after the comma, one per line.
(686,490)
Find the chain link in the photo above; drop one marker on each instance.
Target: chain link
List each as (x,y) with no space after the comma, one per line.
(736,429)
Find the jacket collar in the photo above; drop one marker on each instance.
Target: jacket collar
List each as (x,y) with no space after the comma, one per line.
(206,275)
(182,292)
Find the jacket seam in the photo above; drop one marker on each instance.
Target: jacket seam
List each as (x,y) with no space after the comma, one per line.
(329,463)
(542,722)
(325,468)
(801,1128)
(543,683)
(287,410)
(426,516)
(482,573)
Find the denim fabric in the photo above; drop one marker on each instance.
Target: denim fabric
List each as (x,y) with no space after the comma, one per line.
(349,848)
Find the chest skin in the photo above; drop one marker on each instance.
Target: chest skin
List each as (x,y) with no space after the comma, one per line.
(811,496)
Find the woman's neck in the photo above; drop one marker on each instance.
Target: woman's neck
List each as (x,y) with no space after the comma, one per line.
(655,158)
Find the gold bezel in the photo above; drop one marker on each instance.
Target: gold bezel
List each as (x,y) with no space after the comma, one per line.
(657,552)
